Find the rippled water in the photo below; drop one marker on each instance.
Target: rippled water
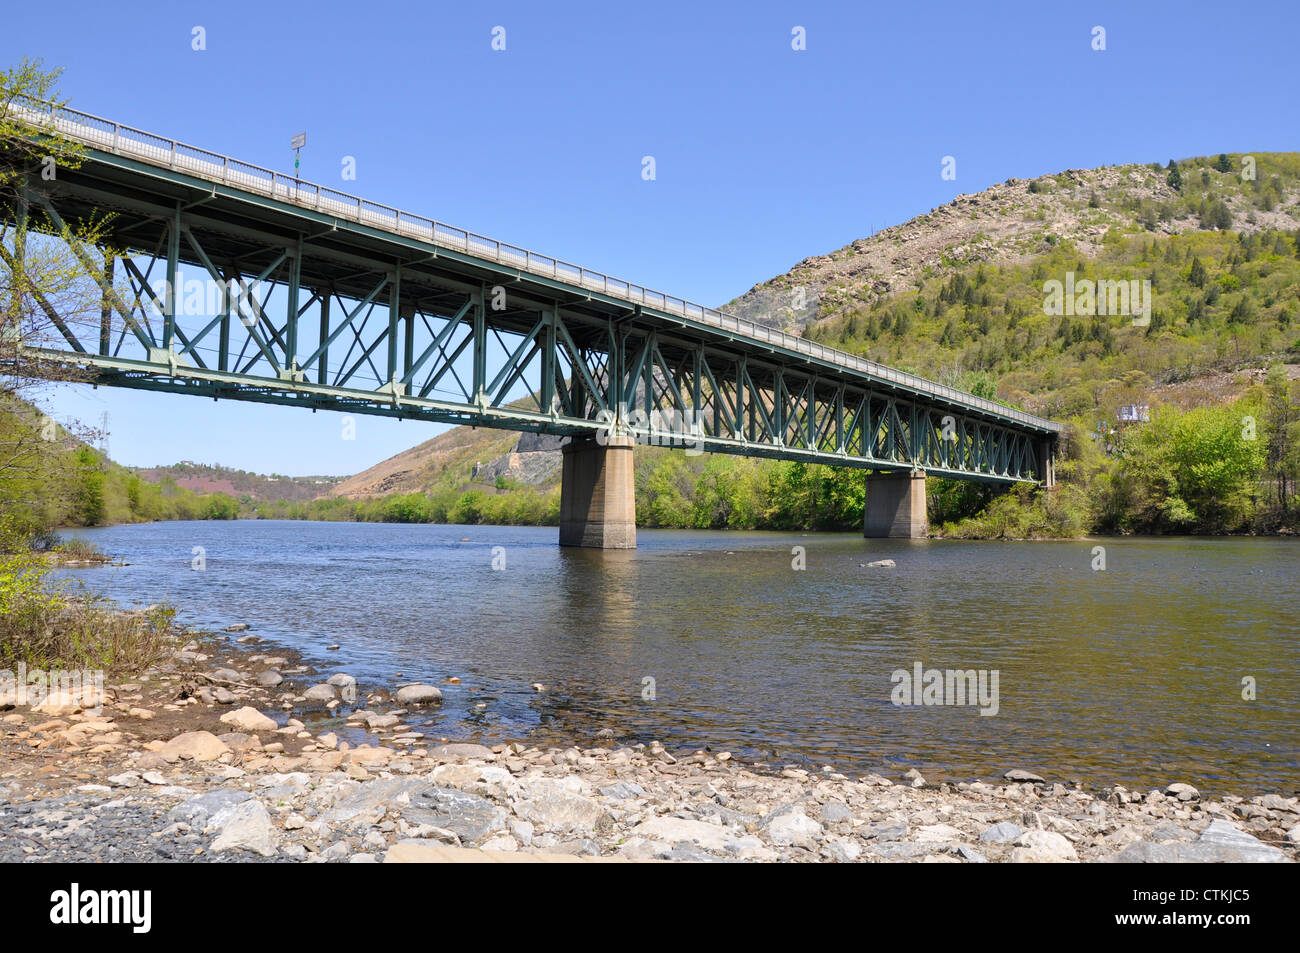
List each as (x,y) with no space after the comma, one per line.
(1133,674)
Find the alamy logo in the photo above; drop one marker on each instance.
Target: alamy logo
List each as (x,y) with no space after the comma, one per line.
(922,686)
(203,297)
(660,428)
(1088,297)
(34,687)
(75,906)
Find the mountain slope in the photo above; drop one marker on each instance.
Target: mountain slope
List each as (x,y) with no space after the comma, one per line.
(1011,223)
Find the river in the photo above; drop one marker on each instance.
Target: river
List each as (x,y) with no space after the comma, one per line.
(1131,674)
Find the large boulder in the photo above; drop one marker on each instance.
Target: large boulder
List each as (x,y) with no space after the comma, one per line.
(244,826)
(1043,847)
(418,695)
(194,746)
(471,818)
(249,719)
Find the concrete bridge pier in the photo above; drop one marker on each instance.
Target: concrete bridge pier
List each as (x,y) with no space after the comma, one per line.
(896,506)
(1047,463)
(597,494)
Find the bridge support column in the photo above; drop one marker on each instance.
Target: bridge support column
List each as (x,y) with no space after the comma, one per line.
(1047,463)
(896,506)
(597,495)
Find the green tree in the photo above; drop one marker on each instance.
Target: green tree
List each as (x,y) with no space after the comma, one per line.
(88,488)
(1282,450)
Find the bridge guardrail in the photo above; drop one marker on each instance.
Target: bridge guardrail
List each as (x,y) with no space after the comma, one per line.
(121,139)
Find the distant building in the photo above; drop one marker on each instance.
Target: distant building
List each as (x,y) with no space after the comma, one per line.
(1134,414)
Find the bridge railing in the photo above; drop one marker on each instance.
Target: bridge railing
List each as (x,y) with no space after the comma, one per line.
(110,136)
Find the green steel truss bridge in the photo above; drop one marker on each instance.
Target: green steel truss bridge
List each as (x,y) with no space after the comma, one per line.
(315,298)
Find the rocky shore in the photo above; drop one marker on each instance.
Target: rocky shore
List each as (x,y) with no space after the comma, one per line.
(210,757)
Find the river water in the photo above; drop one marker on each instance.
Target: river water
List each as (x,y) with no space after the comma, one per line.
(1131,674)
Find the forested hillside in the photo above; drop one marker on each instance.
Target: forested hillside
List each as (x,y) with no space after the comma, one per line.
(52,478)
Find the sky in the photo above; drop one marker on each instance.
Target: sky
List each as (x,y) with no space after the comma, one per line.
(764,154)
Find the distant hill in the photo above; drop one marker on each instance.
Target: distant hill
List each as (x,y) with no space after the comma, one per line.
(239,484)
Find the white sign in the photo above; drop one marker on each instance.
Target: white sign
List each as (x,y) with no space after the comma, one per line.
(299,141)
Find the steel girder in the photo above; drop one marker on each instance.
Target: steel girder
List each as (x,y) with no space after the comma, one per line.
(305,316)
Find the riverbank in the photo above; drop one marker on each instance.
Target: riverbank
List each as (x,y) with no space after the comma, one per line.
(232,750)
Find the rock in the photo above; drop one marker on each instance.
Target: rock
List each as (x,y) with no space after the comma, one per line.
(1042,847)
(237,627)
(244,826)
(843,851)
(1293,835)
(194,746)
(899,850)
(551,806)
(249,719)
(341,680)
(937,833)
(285,784)
(835,812)
(328,741)
(335,852)
(1018,775)
(59,703)
(1184,792)
(144,714)
(785,827)
(418,695)
(676,830)
(472,818)
(224,696)
(884,832)
(970,854)
(197,811)
(270,678)
(366,805)
(1275,802)
(623,791)
(319,693)
(1001,833)
(681,852)
(881,564)
(461,752)
(229,675)
(375,722)
(522,831)
(1221,833)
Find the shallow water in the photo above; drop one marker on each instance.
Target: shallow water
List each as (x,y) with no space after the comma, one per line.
(1132,674)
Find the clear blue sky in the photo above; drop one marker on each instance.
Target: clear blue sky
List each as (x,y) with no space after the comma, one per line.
(764,155)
